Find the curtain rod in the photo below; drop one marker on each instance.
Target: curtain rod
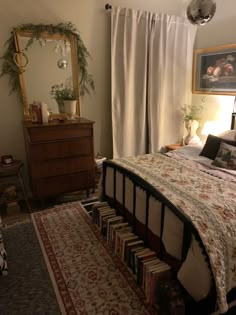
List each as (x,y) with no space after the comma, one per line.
(108,7)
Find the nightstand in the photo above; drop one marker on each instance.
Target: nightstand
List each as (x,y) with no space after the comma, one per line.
(171,147)
(10,175)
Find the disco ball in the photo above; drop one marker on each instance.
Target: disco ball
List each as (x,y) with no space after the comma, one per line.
(201,12)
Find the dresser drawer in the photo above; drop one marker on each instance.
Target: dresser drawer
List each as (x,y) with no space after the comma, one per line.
(61,149)
(54,133)
(60,156)
(49,168)
(60,184)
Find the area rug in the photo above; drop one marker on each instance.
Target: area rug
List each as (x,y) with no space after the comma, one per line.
(87,277)
(27,289)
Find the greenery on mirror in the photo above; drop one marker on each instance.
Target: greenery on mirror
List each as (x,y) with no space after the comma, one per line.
(10,68)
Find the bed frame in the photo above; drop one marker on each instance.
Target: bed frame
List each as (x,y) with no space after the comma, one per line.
(151,240)
(206,306)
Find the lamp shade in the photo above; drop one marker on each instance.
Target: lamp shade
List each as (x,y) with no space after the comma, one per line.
(201,12)
(212,127)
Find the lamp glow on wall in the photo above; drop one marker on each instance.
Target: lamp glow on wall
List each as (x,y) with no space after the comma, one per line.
(200,12)
(214,128)
(211,127)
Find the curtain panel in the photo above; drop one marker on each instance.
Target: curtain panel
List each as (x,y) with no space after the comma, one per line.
(151,79)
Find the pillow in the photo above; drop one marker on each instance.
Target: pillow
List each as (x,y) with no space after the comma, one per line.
(226,157)
(212,146)
(228,135)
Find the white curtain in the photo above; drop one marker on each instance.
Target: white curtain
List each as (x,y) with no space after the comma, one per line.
(151,79)
(129,81)
(170,75)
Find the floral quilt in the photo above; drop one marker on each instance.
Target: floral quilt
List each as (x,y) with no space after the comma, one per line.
(209,203)
(3,254)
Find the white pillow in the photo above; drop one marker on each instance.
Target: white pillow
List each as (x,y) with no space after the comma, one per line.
(228,135)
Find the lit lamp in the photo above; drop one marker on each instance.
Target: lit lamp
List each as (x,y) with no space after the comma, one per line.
(212,127)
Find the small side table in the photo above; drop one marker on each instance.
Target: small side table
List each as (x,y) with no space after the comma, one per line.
(171,147)
(14,170)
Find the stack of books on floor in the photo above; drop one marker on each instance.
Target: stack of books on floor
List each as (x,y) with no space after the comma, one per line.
(146,267)
(100,214)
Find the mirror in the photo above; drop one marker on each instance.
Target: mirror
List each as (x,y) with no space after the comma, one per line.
(45,61)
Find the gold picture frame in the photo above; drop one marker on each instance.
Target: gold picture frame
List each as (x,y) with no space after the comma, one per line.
(214,70)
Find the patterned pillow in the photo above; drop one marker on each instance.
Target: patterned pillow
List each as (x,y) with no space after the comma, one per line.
(226,157)
(212,146)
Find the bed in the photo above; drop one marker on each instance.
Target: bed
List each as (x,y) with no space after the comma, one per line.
(3,254)
(182,204)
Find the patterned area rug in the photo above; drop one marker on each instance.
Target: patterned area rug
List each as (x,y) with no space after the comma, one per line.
(87,278)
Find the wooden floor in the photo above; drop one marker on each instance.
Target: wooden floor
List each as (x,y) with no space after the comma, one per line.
(18,212)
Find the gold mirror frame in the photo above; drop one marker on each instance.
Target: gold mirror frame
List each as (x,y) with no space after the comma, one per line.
(21,60)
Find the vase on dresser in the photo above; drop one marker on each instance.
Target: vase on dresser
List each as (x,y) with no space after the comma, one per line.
(61,107)
(70,108)
(191,126)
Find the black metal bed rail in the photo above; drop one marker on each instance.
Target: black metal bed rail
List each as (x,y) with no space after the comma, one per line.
(150,191)
(205,306)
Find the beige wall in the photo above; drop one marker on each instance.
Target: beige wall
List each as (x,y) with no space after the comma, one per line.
(220,31)
(93,23)
(94,26)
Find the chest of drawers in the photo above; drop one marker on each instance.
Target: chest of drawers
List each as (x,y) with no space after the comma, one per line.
(60,156)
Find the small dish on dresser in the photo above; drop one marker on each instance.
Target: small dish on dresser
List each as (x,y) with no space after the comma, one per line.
(7,160)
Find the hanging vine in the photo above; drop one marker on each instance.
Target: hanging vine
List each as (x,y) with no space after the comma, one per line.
(10,68)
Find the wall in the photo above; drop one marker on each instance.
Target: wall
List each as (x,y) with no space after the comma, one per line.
(93,23)
(94,26)
(219,31)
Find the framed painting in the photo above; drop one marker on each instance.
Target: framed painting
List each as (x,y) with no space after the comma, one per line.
(214,70)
